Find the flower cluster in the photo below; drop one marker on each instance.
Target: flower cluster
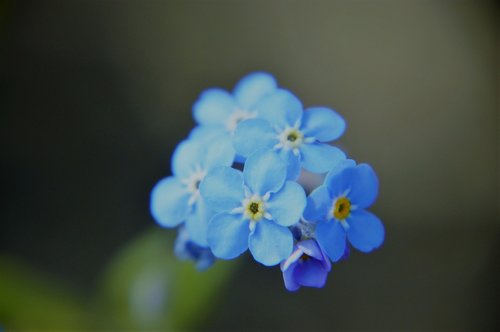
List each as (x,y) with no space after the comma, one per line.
(239,184)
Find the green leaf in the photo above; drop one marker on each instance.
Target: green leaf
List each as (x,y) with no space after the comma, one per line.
(31,300)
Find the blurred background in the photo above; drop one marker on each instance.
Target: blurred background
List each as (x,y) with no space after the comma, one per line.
(94,96)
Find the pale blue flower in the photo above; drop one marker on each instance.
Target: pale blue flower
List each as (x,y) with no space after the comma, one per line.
(298,136)
(176,199)
(255,208)
(219,112)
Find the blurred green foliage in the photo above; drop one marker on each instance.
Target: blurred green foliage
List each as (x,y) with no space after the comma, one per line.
(30,299)
(144,287)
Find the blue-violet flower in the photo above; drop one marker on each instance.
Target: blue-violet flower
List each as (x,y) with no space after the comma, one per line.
(307,266)
(339,208)
(186,249)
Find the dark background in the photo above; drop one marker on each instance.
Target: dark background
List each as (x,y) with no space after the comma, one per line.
(95,95)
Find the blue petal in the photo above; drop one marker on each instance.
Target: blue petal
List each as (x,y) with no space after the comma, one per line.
(337,183)
(180,245)
(319,204)
(197,223)
(205,133)
(366,231)
(206,260)
(322,123)
(310,273)
(293,162)
(228,235)
(363,183)
(251,88)
(326,261)
(252,135)
(287,205)
(280,108)
(239,159)
(320,157)
(213,107)
(264,171)
(337,169)
(187,156)
(219,152)
(332,238)
(270,243)
(185,249)
(222,189)
(290,283)
(169,202)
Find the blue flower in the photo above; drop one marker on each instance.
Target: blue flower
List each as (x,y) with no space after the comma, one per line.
(185,249)
(176,199)
(339,208)
(255,208)
(218,111)
(306,266)
(298,136)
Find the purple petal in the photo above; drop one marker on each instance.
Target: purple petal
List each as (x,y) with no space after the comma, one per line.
(290,283)
(310,273)
(311,248)
(292,259)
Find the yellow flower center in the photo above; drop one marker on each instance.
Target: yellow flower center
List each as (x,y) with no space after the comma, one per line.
(304,258)
(255,210)
(292,138)
(341,208)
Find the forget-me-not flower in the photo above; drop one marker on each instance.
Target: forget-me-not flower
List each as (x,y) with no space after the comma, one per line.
(219,112)
(255,208)
(306,266)
(338,206)
(298,136)
(186,249)
(176,199)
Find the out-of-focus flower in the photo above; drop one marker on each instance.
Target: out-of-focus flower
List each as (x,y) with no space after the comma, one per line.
(218,111)
(176,199)
(298,136)
(339,208)
(255,208)
(306,266)
(186,249)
